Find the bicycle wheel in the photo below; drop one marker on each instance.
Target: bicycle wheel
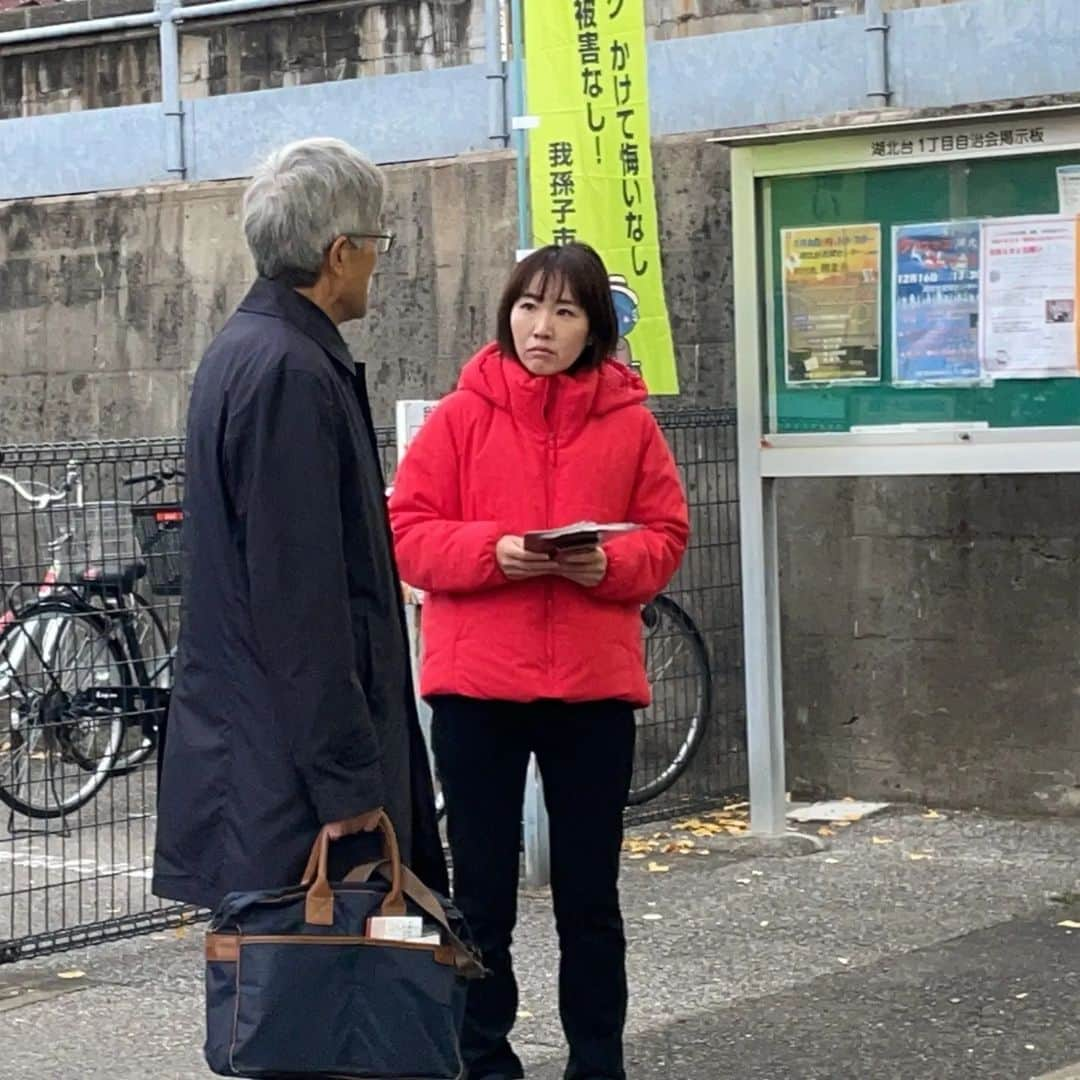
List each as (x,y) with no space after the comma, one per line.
(155,654)
(57,743)
(670,730)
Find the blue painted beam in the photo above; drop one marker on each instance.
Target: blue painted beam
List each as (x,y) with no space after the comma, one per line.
(408,117)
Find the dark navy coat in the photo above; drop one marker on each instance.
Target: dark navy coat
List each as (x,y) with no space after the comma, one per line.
(293,702)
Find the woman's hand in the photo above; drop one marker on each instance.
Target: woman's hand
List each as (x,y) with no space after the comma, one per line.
(521,565)
(586,568)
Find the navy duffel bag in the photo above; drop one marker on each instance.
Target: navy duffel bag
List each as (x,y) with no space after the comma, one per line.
(294,984)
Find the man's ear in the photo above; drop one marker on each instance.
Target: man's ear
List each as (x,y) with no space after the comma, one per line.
(335,255)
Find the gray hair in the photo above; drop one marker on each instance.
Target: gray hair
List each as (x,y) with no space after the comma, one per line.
(302,198)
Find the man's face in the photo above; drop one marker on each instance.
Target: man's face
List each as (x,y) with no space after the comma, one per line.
(360,258)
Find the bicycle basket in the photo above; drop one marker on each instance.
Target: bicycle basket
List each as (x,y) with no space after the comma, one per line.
(157,527)
(101,539)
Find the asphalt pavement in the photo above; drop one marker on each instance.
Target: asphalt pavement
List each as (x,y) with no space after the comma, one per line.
(912,946)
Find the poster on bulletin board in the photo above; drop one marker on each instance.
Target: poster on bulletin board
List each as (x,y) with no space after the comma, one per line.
(936,303)
(832,304)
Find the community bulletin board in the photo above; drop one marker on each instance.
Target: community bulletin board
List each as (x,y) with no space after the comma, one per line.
(929,292)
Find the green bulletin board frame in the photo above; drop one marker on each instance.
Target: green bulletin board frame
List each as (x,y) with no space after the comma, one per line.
(999,164)
(931,192)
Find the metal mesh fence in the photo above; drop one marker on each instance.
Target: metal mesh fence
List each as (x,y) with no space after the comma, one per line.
(89,609)
(707,588)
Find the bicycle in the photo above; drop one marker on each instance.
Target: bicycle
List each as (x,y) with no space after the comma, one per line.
(86,667)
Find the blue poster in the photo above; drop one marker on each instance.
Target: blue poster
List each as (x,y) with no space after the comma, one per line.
(936,303)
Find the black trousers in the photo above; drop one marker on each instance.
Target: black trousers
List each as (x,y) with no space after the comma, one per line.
(585,753)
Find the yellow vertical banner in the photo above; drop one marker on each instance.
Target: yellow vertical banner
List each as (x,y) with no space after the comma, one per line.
(590,160)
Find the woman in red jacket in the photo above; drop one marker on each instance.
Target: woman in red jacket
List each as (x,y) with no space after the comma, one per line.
(526,653)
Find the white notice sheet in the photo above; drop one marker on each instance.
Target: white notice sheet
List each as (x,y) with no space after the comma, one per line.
(1028,295)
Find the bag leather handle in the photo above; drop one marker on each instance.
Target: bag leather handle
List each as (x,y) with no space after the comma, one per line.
(319,904)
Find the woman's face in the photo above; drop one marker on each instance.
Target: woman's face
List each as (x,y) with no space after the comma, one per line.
(549,328)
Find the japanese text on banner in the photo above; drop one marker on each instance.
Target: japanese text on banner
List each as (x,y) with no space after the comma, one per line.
(590,167)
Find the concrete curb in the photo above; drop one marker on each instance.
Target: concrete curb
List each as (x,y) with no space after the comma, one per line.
(1070,1072)
(785,846)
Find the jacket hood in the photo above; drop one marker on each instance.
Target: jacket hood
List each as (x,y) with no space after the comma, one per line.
(506,383)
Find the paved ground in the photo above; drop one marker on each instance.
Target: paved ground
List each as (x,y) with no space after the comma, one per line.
(913,948)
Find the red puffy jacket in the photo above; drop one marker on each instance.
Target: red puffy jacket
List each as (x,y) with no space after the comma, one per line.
(509,452)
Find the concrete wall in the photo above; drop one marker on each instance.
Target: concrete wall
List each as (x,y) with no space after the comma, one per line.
(929,637)
(929,625)
(313,42)
(682,18)
(107,301)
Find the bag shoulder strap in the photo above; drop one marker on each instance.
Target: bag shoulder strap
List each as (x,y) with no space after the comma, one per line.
(465,959)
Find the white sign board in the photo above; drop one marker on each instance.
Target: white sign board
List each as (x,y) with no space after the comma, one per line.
(409,419)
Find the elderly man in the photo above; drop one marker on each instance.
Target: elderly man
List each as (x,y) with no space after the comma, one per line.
(293,704)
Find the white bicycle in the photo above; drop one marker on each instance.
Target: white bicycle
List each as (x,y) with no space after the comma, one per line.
(86,662)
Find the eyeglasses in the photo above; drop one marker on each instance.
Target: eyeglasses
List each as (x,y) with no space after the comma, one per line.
(383,241)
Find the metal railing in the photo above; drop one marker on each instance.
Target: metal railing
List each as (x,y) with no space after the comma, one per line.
(82,875)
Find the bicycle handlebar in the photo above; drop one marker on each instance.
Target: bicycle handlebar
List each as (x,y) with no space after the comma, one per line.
(166,474)
(41,500)
(45,499)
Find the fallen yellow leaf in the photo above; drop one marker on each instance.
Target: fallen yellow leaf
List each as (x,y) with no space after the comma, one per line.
(1071,924)
(75,973)
(825,831)
(843,823)
(653,917)
(917,856)
(637,855)
(678,847)
(931,815)
(879,840)
(690,823)
(658,868)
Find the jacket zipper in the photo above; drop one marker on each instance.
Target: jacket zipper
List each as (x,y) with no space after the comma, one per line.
(551,453)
